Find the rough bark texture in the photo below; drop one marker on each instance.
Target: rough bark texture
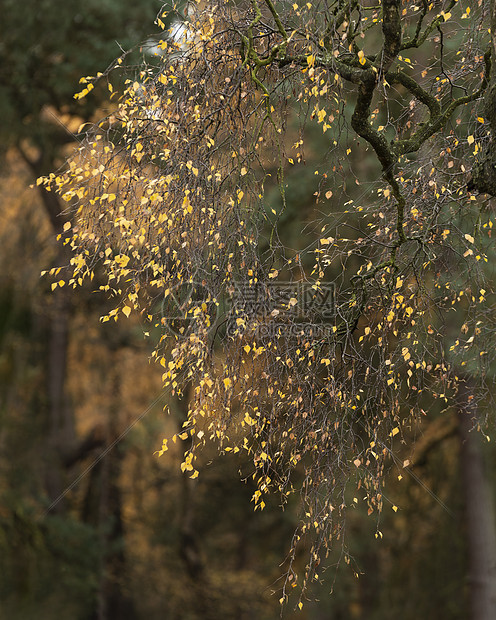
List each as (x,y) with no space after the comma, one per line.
(484,171)
(479,512)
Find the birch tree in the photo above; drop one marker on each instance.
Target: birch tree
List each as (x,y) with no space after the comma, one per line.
(317,357)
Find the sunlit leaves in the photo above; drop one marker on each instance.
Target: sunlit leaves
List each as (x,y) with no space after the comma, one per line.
(173,209)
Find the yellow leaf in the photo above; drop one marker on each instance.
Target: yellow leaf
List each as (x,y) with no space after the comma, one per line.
(249,420)
(126,310)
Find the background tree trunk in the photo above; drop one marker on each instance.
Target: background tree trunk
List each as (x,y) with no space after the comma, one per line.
(61,428)
(479,511)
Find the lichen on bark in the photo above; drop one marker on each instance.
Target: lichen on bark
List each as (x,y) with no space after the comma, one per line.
(484,170)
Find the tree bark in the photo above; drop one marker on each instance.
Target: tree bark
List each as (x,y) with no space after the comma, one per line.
(61,427)
(484,171)
(103,508)
(479,511)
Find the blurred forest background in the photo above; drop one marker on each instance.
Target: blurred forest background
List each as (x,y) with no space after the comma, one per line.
(92,524)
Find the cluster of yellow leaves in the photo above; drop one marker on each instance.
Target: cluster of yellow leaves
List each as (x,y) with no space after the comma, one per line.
(169,217)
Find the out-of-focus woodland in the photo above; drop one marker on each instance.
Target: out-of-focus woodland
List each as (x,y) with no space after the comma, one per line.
(93,525)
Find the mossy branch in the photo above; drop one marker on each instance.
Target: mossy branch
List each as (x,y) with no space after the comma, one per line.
(277,19)
(340,16)
(391,30)
(419,39)
(400,77)
(438,118)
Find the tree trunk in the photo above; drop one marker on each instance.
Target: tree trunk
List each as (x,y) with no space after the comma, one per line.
(484,171)
(190,550)
(479,511)
(103,510)
(61,427)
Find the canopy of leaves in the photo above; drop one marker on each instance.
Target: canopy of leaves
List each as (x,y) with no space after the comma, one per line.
(313,359)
